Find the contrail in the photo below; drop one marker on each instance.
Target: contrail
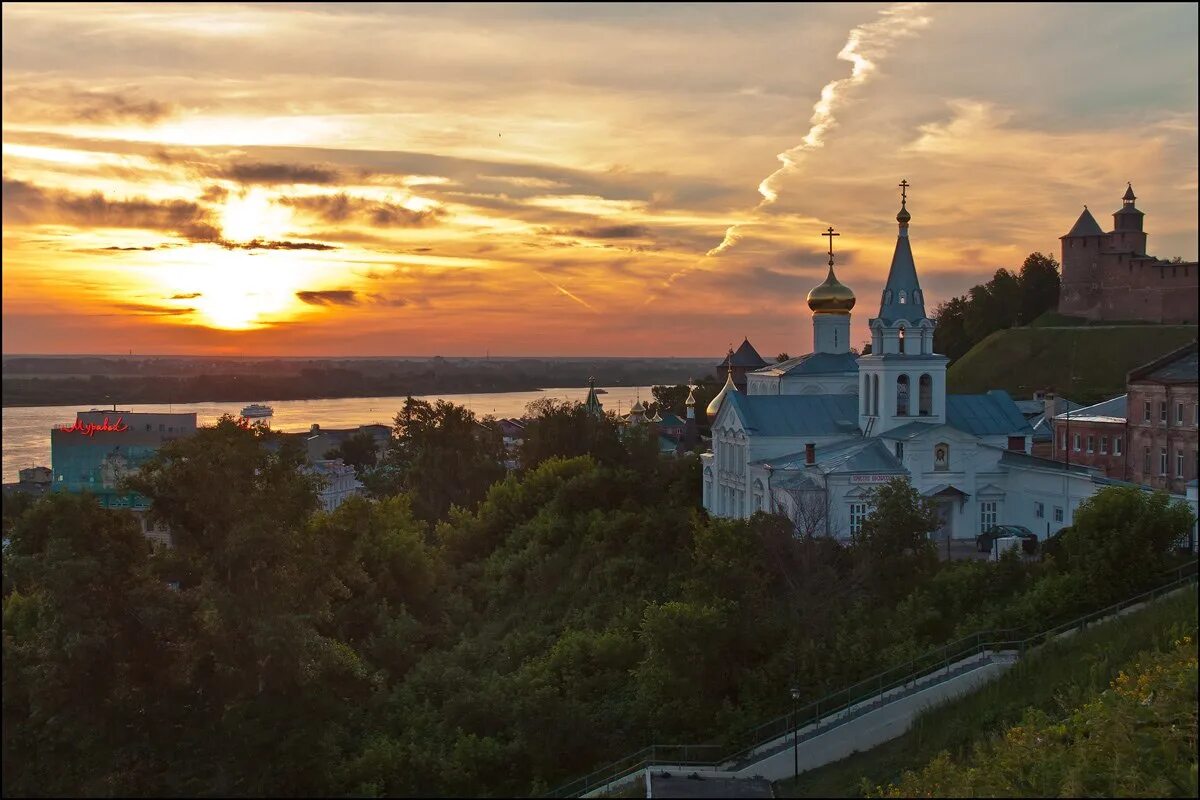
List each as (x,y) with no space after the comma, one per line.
(576,298)
(866,45)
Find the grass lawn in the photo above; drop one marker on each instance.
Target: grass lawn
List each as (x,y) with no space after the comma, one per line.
(1062,675)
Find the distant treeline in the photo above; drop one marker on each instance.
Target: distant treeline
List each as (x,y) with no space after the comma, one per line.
(34,381)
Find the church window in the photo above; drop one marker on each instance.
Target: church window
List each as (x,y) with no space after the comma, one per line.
(1058,514)
(901,336)
(987,514)
(902,396)
(875,395)
(887,297)
(866,395)
(1063,446)
(1039,510)
(941,457)
(916,295)
(1116,445)
(903,297)
(858,512)
(925,395)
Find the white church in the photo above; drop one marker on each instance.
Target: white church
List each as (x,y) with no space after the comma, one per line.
(812,435)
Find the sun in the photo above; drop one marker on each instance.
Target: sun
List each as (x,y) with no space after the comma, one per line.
(252,215)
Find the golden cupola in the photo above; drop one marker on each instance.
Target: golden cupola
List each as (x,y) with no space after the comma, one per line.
(831,297)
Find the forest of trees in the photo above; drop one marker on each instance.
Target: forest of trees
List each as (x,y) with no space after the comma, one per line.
(1007,300)
(465,632)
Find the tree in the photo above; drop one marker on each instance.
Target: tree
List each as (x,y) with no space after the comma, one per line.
(950,337)
(443,456)
(1040,284)
(779,359)
(893,542)
(358,450)
(557,429)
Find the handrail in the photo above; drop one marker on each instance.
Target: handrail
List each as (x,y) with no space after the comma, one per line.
(792,722)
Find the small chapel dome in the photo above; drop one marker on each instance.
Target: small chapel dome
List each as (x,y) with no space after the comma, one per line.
(831,297)
(715,405)
(903,217)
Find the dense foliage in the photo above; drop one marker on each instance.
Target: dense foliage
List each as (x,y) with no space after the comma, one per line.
(1007,300)
(457,635)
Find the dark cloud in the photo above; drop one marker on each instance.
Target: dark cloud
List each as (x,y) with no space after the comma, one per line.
(384,300)
(189,296)
(806,257)
(331,297)
(266,173)
(147,310)
(602,232)
(127,249)
(344,208)
(74,105)
(262,244)
(28,204)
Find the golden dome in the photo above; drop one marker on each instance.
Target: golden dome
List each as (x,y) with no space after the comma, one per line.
(831,297)
(715,405)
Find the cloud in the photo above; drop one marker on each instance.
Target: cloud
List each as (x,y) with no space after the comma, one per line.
(603,232)
(67,104)
(262,244)
(264,173)
(329,297)
(346,208)
(384,300)
(148,310)
(188,296)
(127,249)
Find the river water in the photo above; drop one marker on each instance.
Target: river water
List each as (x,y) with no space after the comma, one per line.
(27,429)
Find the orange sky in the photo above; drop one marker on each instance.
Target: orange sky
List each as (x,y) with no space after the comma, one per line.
(547,180)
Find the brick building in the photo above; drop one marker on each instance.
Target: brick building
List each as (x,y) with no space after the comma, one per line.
(1093,436)
(1109,276)
(1161,427)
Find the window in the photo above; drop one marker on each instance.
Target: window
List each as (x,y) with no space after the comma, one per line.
(1104,445)
(925,394)
(1063,446)
(1146,411)
(875,395)
(1077,443)
(987,514)
(899,449)
(858,512)
(902,396)
(1039,510)
(1091,441)
(1179,413)
(1016,443)
(1116,445)
(901,339)
(1178,463)
(1146,461)
(903,297)
(866,396)
(1058,514)
(1162,411)
(1162,461)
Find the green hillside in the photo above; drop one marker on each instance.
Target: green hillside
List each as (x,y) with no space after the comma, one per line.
(1087,364)
(1061,676)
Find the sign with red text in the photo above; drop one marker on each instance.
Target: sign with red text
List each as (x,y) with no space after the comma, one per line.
(91,428)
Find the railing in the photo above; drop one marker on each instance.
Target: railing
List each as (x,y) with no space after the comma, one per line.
(851,702)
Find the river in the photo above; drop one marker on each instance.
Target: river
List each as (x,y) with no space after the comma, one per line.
(27,428)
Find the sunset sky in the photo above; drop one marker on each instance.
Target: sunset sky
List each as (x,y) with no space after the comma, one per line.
(560,179)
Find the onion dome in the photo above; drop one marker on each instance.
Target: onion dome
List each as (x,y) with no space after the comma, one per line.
(831,297)
(715,405)
(691,401)
(638,408)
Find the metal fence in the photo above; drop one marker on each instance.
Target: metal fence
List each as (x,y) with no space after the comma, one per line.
(838,708)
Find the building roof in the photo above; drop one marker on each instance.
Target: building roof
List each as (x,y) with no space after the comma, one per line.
(849,455)
(908,430)
(1177,366)
(990,414)
(813,364)
(796,414)
(1086,225)
(902,277)
(1011,458)
(746,356)
(670,420)
(592,403)
(1112,410)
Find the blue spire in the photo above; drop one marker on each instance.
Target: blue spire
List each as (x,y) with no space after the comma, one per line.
(902,295)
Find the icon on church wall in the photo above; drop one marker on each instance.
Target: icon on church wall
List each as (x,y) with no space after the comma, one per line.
(941,457)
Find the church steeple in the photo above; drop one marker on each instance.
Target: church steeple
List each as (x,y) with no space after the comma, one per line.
(592,403)
(902,296)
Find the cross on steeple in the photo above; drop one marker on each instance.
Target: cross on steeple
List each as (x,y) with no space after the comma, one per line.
(904,184)
(830,233)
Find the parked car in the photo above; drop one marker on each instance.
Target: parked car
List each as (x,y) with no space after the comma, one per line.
(986,540)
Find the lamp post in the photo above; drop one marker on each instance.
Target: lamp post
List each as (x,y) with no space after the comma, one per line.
(795,734)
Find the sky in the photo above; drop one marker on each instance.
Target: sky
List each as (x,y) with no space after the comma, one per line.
(591,179)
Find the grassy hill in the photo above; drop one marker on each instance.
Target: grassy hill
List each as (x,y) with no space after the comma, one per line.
(1085,363)
(1061,676)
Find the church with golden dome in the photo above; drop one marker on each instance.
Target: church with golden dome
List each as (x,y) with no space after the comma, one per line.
(810,436)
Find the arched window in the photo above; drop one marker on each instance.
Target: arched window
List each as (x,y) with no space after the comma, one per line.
(925,395)
(887,297)
(901,337)
(902,396)
(866,395)
(903,297)
(916,295)
(875,395)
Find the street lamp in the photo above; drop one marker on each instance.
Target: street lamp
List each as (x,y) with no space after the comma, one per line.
(795,734)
